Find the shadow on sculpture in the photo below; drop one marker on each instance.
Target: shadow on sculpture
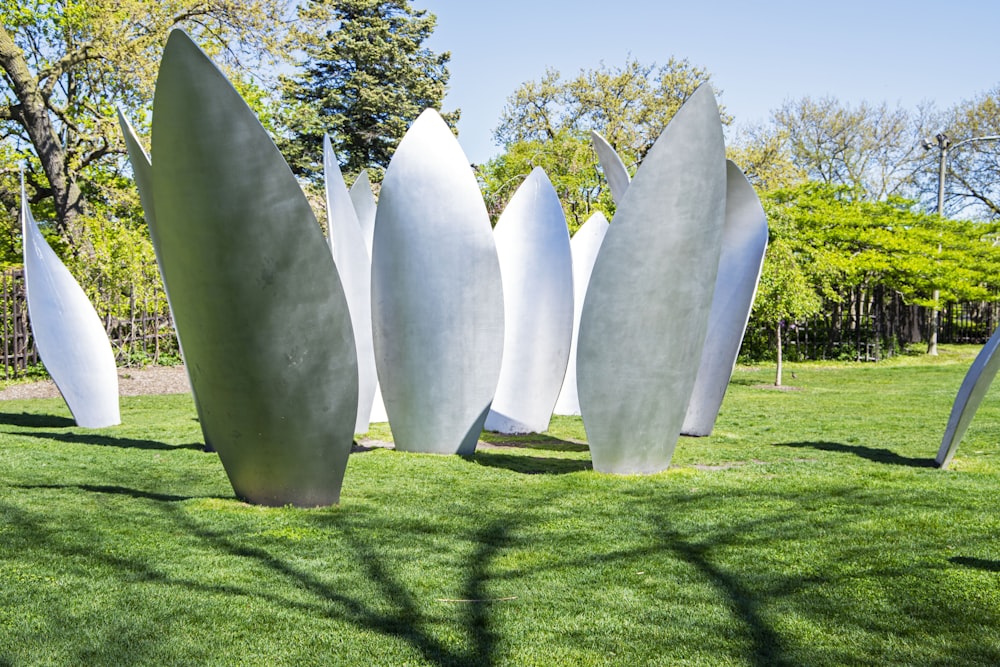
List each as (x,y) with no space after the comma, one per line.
(258,304)
(974,387)
(68,333)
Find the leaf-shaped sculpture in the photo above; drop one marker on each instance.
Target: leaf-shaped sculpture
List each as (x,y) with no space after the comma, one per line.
(744,240)
(355,269)
(646,311)
(533,245)
(257,301)
(142,171)
(584,246)
(69,335)
(364,207)
(612,165)
(437,299)
(970,395)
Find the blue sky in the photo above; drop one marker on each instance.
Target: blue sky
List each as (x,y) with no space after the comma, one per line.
(760,54)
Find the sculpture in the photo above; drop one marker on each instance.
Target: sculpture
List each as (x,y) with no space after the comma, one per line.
(437,299)
(350,254)
(258,305)
(974,387)
(612,165)
(744,239)
(364,208)
(142,171)
(533,246)
(584,246)
(646,311)
(71,340)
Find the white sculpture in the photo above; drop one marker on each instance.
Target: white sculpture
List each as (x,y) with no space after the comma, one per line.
(364,206)
(645,315)
(68,332)
(533,246)
(350,253)
(612,165)
(584,246)
(437,299)
(970,395)
(744,240)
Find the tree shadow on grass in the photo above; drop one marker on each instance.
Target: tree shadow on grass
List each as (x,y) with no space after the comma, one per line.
(532,441)
(530,465)
(108,441)
(115,490)
(976,563)
(29,420)
(876,454)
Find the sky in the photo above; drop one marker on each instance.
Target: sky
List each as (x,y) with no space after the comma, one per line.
(760,54)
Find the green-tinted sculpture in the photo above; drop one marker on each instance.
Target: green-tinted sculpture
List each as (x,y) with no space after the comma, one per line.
(258,305)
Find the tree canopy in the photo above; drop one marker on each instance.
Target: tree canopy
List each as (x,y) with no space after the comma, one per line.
(365,75)
(66,66)
(548,122)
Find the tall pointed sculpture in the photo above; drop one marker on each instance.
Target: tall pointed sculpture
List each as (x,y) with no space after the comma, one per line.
(257,301)
(584,246)
(350,254)
(646,311)
(970,395)
(612,165)
(69,335)
(364,207)
(437,299)
(142,171)
(744,240)
(536,266)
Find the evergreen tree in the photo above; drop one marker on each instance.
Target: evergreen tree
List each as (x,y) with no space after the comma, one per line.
(365,77)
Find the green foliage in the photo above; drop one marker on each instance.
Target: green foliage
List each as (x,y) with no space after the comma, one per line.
(809,529)
(569,161)
(366,76)
(829,244)
(548,123)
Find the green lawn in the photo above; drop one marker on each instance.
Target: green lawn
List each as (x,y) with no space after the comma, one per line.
(810,529)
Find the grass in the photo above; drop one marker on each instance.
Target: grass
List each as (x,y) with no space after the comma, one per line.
(810,529)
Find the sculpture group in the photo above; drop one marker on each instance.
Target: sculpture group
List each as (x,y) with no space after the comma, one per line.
(418,305)
(413,310)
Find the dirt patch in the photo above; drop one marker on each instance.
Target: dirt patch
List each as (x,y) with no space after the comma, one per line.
(131,382)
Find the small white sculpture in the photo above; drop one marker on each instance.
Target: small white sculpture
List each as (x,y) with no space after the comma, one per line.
(68,332)
(536,266)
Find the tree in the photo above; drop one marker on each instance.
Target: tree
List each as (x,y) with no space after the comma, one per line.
(366,76)
(872,149)
(858,256)
(571,164)
(630,106)
(67,64)
(763,153)
(972,177)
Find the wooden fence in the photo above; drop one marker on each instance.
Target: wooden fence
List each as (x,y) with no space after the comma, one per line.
(142,335)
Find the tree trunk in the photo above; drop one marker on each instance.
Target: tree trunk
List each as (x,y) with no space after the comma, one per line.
(777,339)
(31,112)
